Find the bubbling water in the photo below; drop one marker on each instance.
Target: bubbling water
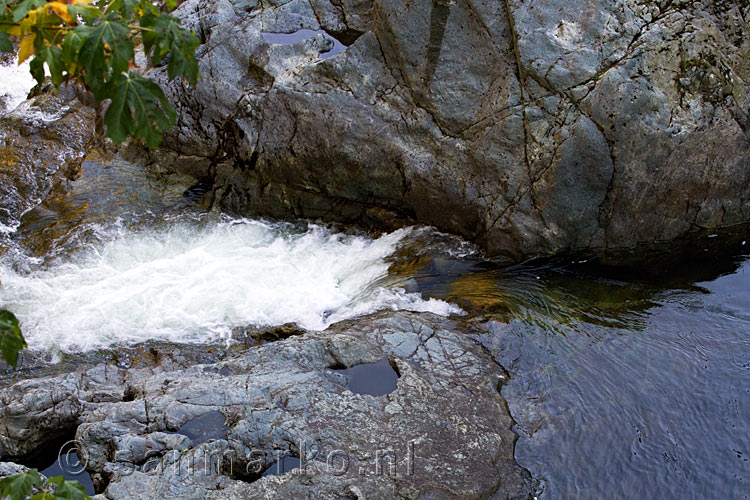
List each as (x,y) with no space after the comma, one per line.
(194,283)
(15,83)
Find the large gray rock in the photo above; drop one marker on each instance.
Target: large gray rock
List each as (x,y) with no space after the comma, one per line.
(443,432)
(531,127)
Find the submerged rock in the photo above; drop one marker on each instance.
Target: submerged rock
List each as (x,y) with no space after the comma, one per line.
(443,432)
(532,128)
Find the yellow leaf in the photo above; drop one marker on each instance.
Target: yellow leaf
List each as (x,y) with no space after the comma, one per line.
(61,9)
(32,14)
(26,48)
(30,20)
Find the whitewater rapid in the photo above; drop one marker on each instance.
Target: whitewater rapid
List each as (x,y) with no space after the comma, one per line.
(15,83)
(193,283)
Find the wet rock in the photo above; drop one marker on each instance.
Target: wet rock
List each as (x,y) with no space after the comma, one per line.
(44,136)
(444,432)
(11,469)
(532,128)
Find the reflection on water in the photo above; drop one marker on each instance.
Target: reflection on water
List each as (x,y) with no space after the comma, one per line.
(621,387)
(554,297)
(302,35)
(69,466)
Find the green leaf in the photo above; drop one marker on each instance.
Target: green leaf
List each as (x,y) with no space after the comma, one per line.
(5,43)
(52,55)
(69,490)
(70,47)
(105,52)
(96,48)
(138,108)
(127,8)
(20,486)
(183,63)
(37,69)
(11,338)
(24,7)
(166,36)
(88,12)
(44,495)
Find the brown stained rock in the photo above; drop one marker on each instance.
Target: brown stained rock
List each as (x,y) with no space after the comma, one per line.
(44,136)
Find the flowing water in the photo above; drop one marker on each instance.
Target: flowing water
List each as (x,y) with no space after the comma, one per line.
(79,280)
(15,85)
(621,386)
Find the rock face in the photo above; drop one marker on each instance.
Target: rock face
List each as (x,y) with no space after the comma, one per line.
(444,432)
(531,127)
(47,134)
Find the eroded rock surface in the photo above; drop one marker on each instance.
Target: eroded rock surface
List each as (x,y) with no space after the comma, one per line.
(531,127)
(444,432)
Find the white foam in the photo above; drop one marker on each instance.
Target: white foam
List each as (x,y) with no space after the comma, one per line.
(15,83)
(193,284)
(9,229)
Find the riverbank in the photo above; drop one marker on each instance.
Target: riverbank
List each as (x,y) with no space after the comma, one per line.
(441,429)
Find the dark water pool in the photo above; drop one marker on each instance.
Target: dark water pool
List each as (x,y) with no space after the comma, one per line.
(375,379)
(70,468)
(302,35)
(621,387)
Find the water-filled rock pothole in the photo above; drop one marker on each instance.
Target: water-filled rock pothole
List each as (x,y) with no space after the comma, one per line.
(302,35)
(207,427)
(282,466)
(69,466)
(376,379)
(58,457)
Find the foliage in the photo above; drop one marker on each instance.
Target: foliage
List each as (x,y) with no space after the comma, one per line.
(93,43)
(21,486)
(11,339)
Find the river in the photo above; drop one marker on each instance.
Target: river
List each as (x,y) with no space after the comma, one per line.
(622,385)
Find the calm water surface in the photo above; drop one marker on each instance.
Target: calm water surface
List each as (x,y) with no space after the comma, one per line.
(621,388)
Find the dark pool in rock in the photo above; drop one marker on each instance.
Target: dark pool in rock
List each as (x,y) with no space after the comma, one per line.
(69,467)
(57,458)
(302,35)
(375,379)
(204,428)
(282,466)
